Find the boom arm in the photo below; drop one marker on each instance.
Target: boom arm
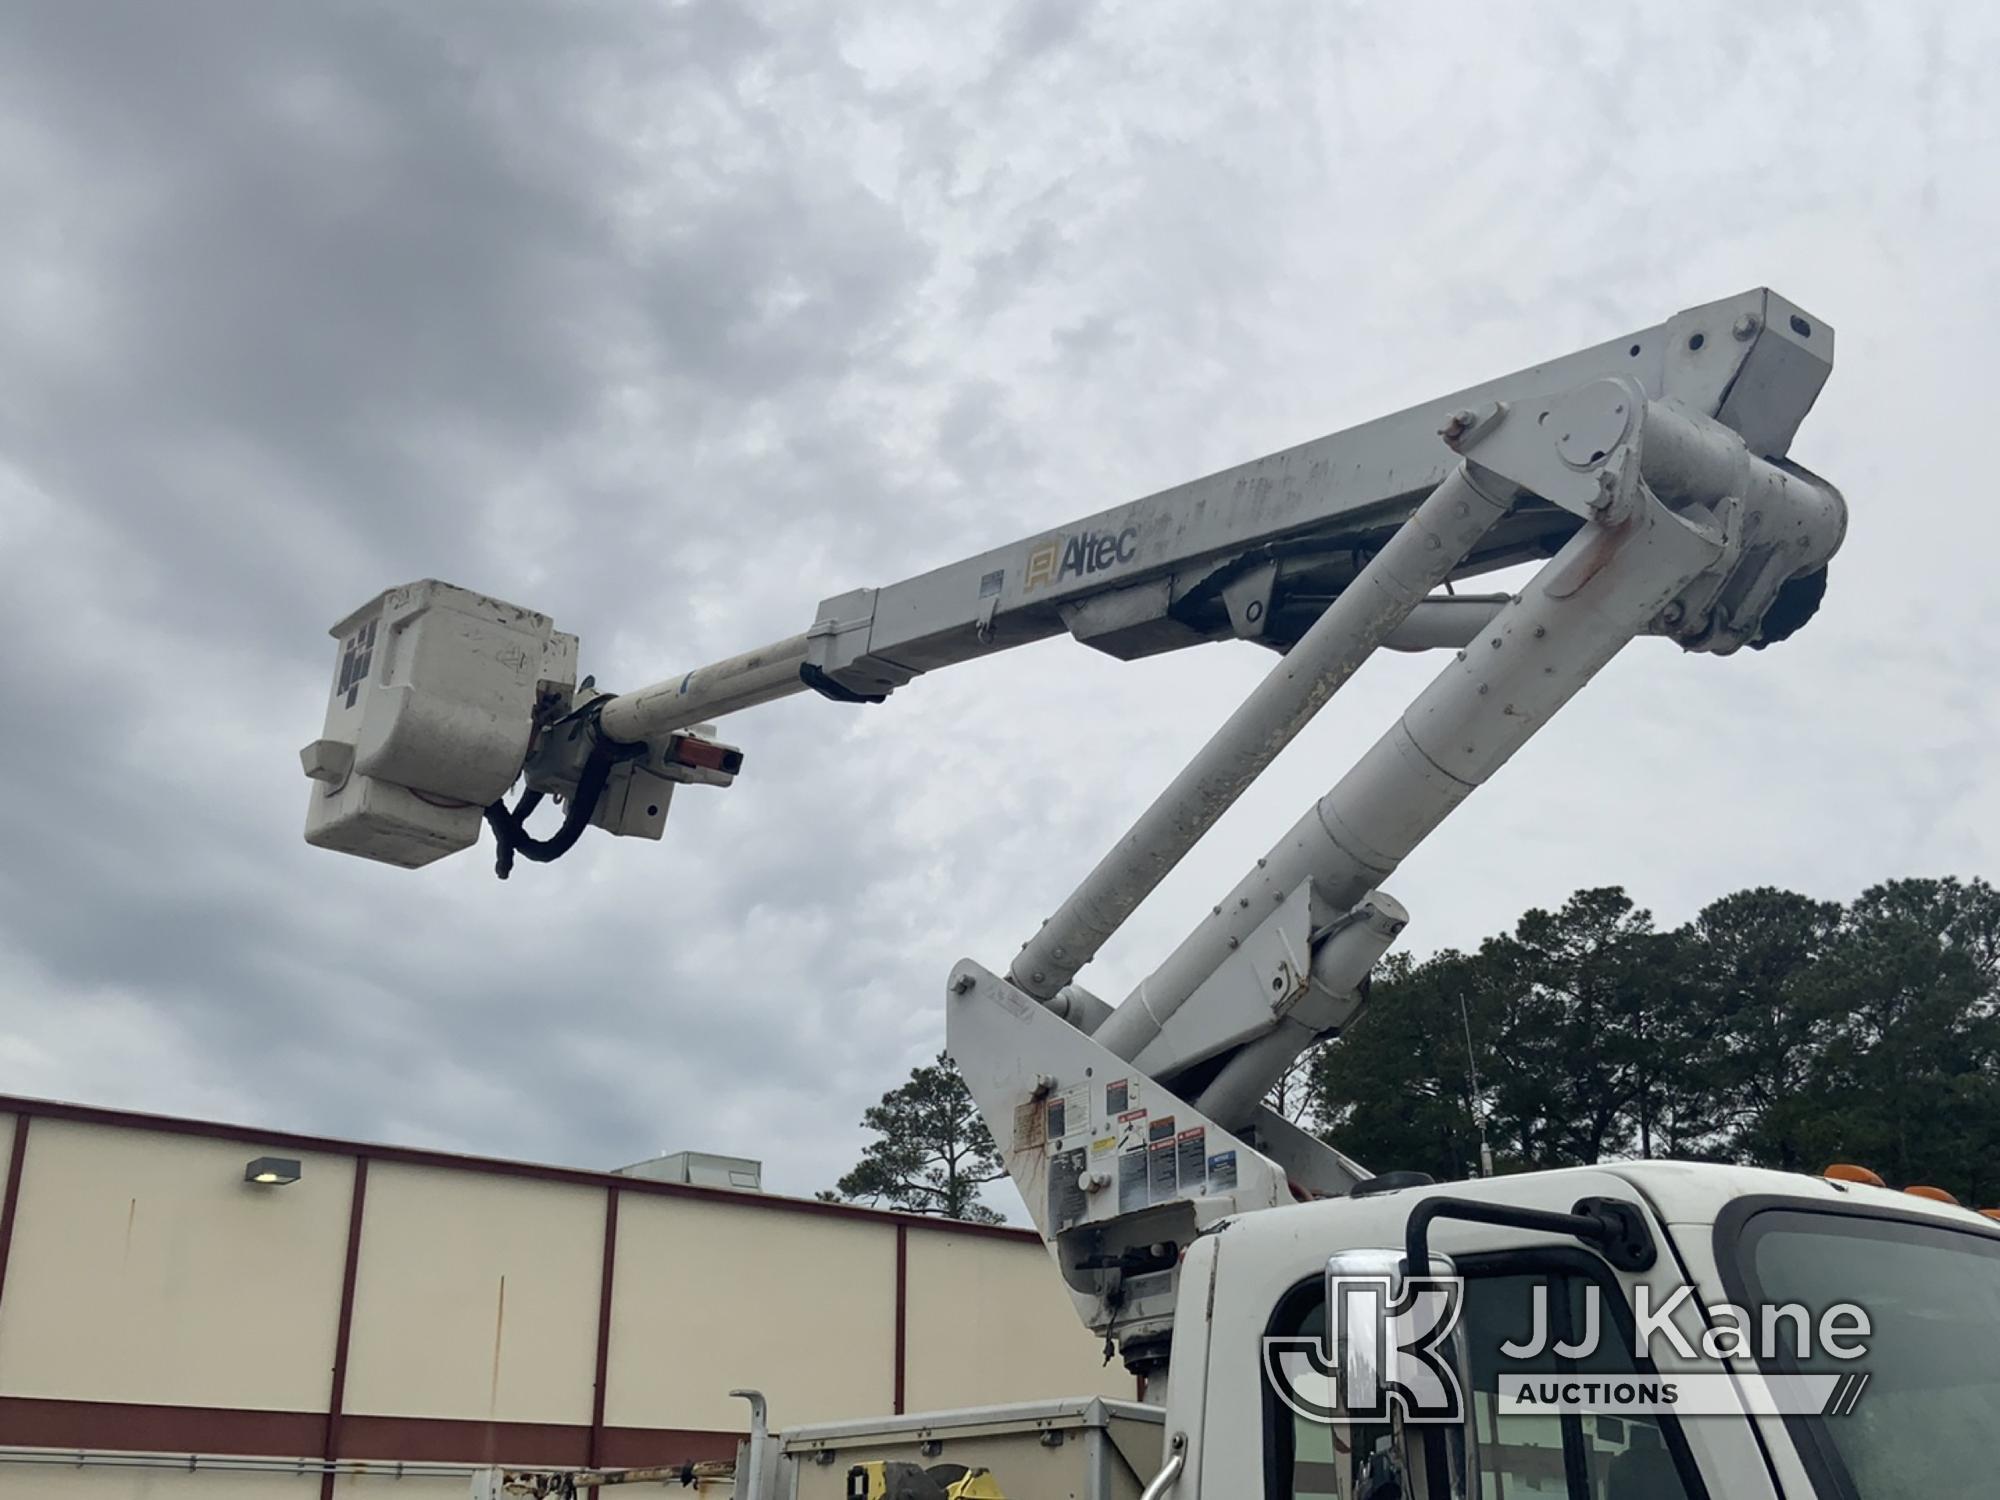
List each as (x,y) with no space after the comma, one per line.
(1257,551)
(1648,471)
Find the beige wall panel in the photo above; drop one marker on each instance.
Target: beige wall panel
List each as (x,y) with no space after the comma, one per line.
(388,1487)
(709,1296)
(476,1297)
(145,1269)
(989,1321)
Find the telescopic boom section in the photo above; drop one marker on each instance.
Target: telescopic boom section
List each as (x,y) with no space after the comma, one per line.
(723,687)
(1255,552)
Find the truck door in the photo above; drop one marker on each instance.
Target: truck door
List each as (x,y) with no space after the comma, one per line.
(1524,1298)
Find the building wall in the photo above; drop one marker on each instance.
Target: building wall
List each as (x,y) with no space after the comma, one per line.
(997,1328)
(413,1306)
(475,1297)
(709,1297)
(143,1270)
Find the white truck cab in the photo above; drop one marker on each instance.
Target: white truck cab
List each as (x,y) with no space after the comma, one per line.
(1913,1408)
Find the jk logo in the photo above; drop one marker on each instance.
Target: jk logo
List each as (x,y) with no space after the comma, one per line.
(1387,1351)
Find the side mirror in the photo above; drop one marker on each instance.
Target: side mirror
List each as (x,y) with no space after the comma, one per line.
(1401,1387)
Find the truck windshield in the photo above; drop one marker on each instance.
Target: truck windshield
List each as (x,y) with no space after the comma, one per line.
(1928,1420)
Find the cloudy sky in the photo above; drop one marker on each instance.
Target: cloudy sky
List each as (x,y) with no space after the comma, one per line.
(672,319)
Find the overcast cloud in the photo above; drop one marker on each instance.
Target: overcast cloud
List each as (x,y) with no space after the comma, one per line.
(671,320)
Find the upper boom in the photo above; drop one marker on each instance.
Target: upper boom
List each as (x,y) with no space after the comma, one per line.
(420,737)
(1257,551)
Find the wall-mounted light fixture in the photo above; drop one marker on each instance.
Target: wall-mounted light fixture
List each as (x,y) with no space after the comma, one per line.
(272,1171)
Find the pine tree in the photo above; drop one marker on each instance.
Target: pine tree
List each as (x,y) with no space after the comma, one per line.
(933,1153)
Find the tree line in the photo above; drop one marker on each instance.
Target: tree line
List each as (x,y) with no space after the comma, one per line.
(1771,1030)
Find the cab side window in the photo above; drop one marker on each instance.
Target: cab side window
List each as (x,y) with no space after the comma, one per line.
(1531,1455)
(1522,1455)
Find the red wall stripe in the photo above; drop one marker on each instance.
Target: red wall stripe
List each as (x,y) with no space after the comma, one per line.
(902,1314)
(30,1422)
(344,1329)
(597,1394)
(16,1161)
(114,1426)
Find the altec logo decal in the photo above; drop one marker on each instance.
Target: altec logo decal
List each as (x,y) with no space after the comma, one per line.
(1079,556)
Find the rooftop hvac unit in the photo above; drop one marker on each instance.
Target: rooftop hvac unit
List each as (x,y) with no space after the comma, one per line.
(702,1169)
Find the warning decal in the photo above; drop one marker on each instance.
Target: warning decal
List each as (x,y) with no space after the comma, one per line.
(1065,1114)
(1131,1182)
(1192,1148)
(1028,1126)
(1162,1169)
(1067,1202)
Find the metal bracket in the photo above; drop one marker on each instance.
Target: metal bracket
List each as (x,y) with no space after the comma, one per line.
(839,654)
(1274,963)
(1574,449)
(830,687)
(1247,597)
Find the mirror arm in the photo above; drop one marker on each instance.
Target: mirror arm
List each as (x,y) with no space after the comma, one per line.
(1611,1226)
